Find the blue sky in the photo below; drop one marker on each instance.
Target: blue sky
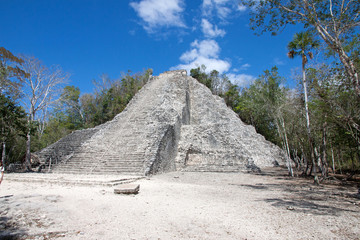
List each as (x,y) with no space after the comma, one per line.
(88,38)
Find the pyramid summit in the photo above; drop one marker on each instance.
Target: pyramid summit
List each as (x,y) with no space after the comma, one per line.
(173,123)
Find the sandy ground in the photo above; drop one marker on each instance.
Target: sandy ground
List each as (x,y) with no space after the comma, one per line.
(182,205)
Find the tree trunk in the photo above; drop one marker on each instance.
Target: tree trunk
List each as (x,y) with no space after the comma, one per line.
(3,155)
(297,159)
(306,100)
(324,164)
(333,160)
(306,163)
(317,154)
(340,160)
(312,156)
(27,163)
(287,147)
(352,158)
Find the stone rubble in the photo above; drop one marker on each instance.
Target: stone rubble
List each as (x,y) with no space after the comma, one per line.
(172,123)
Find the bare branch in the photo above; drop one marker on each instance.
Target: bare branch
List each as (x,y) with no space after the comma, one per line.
(42,86)
(332,16)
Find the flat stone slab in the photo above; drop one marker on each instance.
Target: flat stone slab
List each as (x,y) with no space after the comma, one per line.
(72,179)
(127,189)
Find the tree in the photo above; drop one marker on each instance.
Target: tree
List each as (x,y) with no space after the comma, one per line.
(266,102)
(218,83)
(65,117)
(335,22)
(41,89)
(336,109)
(7,72)
(69,101)
(88,107)
(301,45)
(200,75)
(12,122)
(231,96)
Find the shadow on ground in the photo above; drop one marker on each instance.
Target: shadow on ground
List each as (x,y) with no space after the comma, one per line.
(301,195)
(14,222)
(307,206)
(9,227)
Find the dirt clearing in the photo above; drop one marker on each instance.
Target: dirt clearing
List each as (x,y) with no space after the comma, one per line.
(182,205)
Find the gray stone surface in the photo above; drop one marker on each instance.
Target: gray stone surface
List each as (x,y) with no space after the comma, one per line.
(127,189)
(72,179)
(173,123)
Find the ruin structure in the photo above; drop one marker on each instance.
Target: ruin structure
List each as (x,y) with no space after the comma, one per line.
(173,123)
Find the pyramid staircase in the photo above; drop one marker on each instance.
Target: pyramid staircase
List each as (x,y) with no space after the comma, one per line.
(131,142)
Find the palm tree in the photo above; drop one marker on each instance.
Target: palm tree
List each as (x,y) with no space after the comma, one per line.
(301,45)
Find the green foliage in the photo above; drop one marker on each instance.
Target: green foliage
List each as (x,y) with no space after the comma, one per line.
(336,112)
(278,114)
(337,104)
(231,97)
(302,45)
(104,105)
(200,75)
(259,104)
(335,22)
(273,15)
(218,84)
(56,128)
(70,111)
(13,124)
(9,73)
(12,118)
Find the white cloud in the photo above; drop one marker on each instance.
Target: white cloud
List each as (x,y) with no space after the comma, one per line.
(207,7)
(221,8)
(242,80)
(210,63)
(160,13)
(205,48)
(241,8)
(279,62)
(210,30)
(245,66)
(204,52)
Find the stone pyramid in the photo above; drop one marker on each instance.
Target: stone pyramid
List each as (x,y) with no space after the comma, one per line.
(173,123)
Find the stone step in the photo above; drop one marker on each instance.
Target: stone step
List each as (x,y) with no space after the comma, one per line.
(91,155)
(100,170)
(115,163)
(104,160)
(101,173)
(102,156)
(118,169)
(108,163)
(89,164)
(98,166)
(215,168)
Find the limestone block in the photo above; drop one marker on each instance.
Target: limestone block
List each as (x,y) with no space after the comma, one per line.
(127,189)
